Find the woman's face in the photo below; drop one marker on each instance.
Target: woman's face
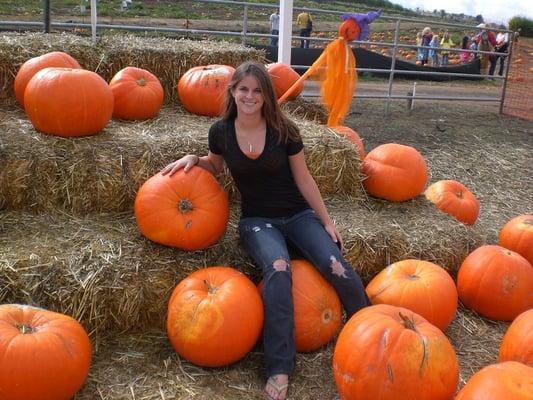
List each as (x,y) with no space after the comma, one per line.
(248,96)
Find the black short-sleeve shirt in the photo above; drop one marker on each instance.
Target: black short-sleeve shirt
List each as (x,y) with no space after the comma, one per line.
(266,184)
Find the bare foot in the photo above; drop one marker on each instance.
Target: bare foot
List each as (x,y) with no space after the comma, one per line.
(276,387)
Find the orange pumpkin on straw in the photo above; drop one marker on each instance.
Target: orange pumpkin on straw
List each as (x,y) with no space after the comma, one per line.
(335,67)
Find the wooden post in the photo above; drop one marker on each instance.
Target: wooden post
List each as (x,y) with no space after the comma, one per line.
(285,32)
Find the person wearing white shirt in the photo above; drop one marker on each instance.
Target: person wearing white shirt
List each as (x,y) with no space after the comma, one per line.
(502,44)
(274,28)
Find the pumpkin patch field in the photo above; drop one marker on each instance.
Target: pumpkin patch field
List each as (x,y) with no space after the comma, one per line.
(70,241)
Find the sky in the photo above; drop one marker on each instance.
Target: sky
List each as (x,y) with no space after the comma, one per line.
(496,11)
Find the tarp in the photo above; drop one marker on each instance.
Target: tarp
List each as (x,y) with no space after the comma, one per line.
(370,59)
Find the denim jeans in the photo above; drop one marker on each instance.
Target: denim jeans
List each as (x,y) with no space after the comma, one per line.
(274,40)
(265,240)
(304,43)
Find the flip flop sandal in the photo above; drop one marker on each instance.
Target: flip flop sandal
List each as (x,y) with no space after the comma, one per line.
(279,389)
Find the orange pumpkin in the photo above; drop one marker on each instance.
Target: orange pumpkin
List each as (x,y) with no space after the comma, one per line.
(44,355)
(496,283)
(420,286)
(389,353)
(517,235)
(394,172)
(317,308)
(138,94)
(517,342)
(35,64)
(283,77)
(68,102)
(455,199)
(510,380)
(349,29)
(353,137)
(202,90)
(188,210)
(215,316)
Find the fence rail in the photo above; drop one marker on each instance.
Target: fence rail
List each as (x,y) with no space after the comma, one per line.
(245,35)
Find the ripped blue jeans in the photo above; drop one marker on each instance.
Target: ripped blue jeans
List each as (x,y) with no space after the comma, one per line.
(265,240)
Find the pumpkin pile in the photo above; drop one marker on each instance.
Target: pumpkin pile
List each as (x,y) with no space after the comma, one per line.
(63,99)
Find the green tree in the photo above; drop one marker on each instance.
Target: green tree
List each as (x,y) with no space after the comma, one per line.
(524,24)
(479,18)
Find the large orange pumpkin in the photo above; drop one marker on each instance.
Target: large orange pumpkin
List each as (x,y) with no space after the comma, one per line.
(215,316)
(317,308)
(68,102)
(283,77)
(420,286)
(43,355)
(188,210)
(509,380)
(517,344)
(454,198)
(35,64)
(138,94)
(394,172)
(517,235)
(496,282)
(202,90)
(353,137)
(389,353)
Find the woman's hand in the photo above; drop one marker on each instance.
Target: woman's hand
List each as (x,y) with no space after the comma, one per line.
(331,229)
(186,162)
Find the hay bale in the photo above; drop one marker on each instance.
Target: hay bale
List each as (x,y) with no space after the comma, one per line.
(144,366)
(168,59)
(103,173)
(100,270)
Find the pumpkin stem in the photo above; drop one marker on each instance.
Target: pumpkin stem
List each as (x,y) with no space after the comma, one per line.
(409,324)
(184,206)
(459,194)
(141,82)
(25,329)
(211,289)
(413,277)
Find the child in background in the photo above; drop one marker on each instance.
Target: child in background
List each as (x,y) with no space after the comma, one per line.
(445,43)
(433,53)
(419,52)
(427,35)
(465,56)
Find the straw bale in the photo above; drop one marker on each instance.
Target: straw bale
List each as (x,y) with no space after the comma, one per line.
(166,58)
(144,366)
(101,270)
(307,109)
(103,173)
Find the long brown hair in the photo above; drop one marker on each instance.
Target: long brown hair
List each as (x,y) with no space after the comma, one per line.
(283,127)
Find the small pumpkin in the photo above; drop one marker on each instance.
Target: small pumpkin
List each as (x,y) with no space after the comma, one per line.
(517,343)
(188,210)
(388,353)
(455,199)
(420,286)
(394,172)
(517,235)
(45,355)
(283,77)
(138,94)
(68,102)
(496,283)
(215,316)
(509,380)
(202,90)
(317,308)
(352,137)
(35,64)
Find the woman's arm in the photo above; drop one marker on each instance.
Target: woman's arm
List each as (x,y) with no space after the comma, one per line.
(309,189)
(212,163)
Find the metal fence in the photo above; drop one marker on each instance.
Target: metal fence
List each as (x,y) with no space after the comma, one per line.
(245,34)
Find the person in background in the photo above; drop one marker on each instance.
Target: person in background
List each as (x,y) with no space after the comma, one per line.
(419,52)
(465,57)
(427,35)
(305,23)
(445,43)
(502,44)
(274,28)
(281,209)
(433,53)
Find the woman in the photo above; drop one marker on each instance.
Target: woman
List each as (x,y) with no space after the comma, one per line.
(280,206)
